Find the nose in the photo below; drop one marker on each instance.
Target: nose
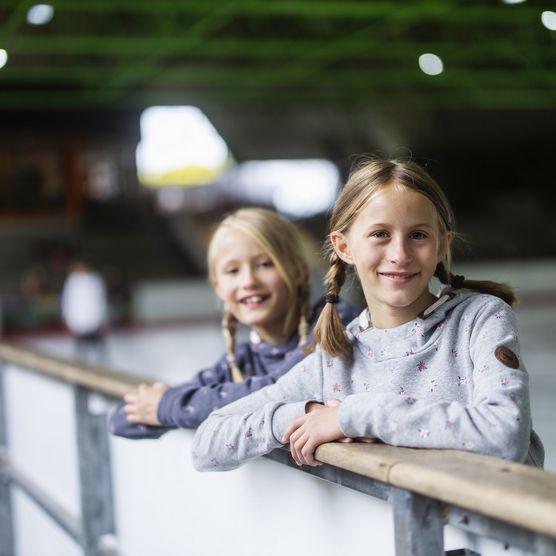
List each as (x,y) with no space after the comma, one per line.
(248,277)
(400,251)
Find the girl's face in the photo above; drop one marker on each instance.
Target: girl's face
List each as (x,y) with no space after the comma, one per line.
(247,281)
(395,245)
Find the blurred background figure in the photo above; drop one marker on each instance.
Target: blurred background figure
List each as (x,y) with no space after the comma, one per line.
(85,310)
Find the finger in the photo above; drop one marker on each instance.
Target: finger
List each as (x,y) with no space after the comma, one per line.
(367,439)
(132,418)
(307,453)
(287,435)
(296,445)
(292,428)
(333,403)
(345,440)
(130,397)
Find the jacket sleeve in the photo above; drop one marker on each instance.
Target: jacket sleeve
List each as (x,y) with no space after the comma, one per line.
(184,405)
(496,421)
(255,425)
(189,404)
(118,425)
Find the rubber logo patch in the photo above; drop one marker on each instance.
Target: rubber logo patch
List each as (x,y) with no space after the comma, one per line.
(507,357)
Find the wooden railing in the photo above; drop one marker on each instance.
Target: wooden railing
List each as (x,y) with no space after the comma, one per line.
(428,489)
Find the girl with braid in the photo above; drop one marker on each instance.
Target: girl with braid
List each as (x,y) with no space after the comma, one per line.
(257,268)
(414,369)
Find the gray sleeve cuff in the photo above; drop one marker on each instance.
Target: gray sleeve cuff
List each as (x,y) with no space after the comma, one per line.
(284,415)
(355,417)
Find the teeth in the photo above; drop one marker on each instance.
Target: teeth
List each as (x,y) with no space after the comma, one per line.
(254,299)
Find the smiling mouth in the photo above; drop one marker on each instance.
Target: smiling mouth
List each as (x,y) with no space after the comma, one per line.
(399,277)
(254,300)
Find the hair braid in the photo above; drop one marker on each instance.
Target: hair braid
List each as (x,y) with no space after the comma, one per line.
(304,307)
(501,290)
(442,274)
(329,330)
(229,328)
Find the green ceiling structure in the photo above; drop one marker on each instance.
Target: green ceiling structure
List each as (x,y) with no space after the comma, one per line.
(271,53)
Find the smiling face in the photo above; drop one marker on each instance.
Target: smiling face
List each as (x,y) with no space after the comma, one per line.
(395,244)
(246,279)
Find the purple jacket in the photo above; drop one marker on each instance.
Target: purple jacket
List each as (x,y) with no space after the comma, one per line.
(188,404)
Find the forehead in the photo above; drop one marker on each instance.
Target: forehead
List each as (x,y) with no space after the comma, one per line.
(398,204)
(229,243)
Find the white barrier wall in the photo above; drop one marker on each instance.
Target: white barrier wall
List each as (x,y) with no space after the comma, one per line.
(165,507)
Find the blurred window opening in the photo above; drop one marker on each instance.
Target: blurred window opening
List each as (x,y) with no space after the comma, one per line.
(40,14)
(179,147)
(296,188)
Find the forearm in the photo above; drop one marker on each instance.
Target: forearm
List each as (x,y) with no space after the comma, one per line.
(187,405)
(226,441)
(494,426)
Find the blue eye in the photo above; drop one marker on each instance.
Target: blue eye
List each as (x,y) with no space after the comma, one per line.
(418,235)
(266,264)
(380,234)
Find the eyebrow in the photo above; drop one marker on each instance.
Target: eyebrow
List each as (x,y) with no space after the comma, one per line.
(384,225)
(236,260)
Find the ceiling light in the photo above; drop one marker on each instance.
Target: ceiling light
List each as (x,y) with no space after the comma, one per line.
(549,20)
(513,1)
(431,64)
(40,14)
(3,57)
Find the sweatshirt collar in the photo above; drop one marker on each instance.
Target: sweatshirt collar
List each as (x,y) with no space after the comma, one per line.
(365,318)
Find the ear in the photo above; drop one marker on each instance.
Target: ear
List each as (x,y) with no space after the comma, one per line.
(444,245)
(340,245)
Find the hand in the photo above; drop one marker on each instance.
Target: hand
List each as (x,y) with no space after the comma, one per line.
(312,406)
(316,427)
(142,407)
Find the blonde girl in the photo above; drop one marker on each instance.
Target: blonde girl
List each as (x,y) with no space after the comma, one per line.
(257,268)
(414,369)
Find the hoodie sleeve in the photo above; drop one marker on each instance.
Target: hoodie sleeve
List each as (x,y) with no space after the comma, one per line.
(494,420)
(185,405)
(189,404)
(255,425)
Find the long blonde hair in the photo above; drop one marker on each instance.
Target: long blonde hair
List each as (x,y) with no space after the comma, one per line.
(364,182)
(282,243)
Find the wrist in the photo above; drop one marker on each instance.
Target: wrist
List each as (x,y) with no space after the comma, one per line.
(312,405)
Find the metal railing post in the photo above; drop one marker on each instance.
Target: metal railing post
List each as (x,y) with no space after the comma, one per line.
(7,544)
(418,525)
(97,508)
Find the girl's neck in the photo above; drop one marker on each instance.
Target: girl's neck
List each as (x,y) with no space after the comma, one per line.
(386,316)
(273,337)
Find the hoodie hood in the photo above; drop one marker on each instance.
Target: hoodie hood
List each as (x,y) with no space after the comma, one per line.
(379,344)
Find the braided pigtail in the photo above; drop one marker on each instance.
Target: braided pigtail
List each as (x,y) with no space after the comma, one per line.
(304,307)
(229,328)
(504,291)
(329,330)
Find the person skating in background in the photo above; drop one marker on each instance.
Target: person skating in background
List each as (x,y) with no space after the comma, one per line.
(84,307)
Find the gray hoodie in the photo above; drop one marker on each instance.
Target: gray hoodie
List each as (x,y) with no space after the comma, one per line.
(452,378)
